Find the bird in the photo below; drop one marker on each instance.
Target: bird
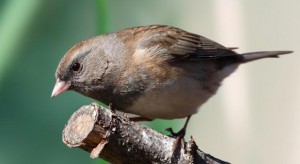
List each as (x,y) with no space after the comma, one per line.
(154,71)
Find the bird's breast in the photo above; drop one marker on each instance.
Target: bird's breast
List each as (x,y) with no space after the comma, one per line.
(175,99)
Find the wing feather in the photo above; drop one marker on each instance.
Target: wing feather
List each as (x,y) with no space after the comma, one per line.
(177,44)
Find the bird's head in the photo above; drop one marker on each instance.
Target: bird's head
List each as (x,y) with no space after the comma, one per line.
(81,69)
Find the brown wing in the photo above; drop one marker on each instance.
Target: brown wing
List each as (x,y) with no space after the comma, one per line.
(177,43)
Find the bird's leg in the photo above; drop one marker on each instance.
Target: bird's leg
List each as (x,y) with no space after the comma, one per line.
(180,134)
(111,107)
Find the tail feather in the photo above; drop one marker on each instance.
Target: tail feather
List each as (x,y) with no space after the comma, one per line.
(247,57)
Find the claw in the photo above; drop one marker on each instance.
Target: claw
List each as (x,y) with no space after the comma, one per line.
(111,107)
(170,130)
(179,136)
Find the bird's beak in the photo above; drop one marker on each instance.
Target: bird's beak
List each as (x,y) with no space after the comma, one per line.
(60,87)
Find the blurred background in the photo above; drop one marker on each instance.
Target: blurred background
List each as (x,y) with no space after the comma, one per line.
(254,118)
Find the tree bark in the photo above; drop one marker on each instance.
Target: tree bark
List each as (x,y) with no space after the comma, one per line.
(119,140)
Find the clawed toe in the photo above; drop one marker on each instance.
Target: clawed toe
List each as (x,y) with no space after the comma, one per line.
(179,136)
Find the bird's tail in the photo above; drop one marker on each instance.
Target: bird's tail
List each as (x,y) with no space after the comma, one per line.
(247,57)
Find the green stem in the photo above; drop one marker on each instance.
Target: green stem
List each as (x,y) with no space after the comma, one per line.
(102,17)
(15,19)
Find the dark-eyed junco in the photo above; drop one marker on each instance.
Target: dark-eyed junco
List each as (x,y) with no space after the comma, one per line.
(153,71)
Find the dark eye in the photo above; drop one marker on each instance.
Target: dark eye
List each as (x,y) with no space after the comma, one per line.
(76,66)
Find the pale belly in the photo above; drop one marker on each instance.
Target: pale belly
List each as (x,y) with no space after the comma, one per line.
(175,100)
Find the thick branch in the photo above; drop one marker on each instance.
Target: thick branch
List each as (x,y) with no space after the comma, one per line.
(118,140)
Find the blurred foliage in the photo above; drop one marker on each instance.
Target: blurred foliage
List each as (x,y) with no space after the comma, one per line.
(11,32)
(34,35)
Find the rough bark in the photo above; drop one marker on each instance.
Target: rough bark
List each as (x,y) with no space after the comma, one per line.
(119,140)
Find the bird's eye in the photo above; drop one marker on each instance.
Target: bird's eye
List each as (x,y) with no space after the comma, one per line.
(75,67)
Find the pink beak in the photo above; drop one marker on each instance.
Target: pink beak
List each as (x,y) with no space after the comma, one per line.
(60,87)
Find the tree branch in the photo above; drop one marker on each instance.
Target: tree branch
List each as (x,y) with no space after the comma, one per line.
(118,140)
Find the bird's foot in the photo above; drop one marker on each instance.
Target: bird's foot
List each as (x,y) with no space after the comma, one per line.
(179,136)
(174,134)
(111,107)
